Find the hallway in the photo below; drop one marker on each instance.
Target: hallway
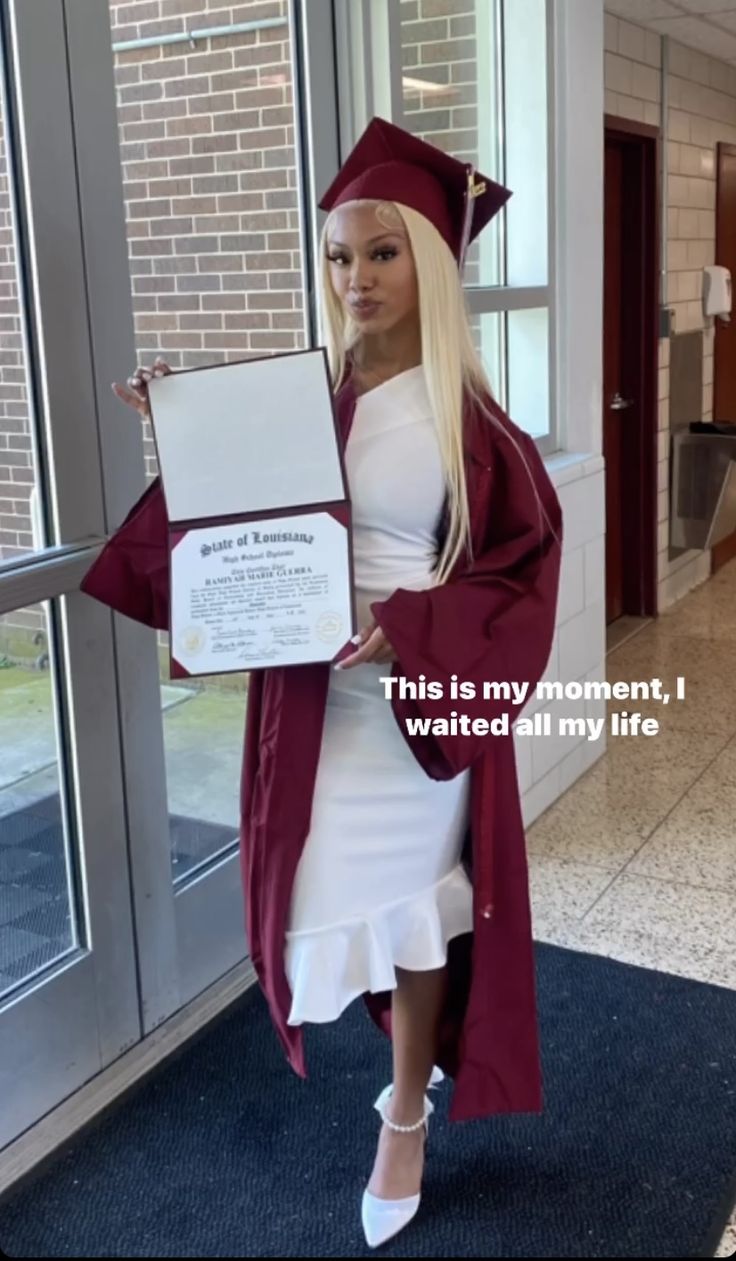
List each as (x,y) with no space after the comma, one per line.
(637,860)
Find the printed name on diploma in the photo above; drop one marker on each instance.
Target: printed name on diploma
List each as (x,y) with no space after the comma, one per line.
(262,593)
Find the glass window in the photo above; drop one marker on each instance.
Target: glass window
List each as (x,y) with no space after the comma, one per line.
(211,191)
(450,90)
(475,83)
(528,369)
(514,347)
(21,526)
(525,127)
(38,922)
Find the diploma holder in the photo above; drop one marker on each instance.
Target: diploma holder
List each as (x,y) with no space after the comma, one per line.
(260,530)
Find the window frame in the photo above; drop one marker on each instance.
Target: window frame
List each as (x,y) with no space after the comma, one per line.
(368,43)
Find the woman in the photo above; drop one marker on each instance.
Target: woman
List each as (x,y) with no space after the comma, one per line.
(398,869)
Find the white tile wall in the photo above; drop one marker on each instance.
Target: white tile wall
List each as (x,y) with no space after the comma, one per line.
(572,594)
(582,642)
(548,765)
(702,111)
(594,570)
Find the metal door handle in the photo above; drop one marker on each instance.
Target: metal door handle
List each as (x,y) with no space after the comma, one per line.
(618,404)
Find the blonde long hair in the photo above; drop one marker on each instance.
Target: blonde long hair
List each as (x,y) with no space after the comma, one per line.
(452,367)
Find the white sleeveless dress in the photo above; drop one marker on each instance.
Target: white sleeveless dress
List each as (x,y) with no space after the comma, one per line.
(379,883)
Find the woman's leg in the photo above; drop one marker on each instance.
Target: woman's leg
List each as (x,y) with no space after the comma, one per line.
(416,1006)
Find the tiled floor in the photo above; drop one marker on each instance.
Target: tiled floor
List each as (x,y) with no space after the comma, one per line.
(637,861)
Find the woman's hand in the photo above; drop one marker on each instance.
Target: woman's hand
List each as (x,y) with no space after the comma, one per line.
(374,646)
(136,395)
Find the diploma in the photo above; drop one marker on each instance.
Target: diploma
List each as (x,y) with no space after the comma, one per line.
(260,532)
(270,592)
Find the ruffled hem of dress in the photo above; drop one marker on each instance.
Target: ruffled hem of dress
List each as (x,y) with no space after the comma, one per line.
(330,967)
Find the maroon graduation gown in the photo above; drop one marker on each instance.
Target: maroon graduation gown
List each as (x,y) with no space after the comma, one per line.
(492,621)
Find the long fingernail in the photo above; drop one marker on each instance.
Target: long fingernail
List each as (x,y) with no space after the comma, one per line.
(356,638)
(338,666)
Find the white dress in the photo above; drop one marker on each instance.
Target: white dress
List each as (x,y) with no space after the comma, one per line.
(379,883)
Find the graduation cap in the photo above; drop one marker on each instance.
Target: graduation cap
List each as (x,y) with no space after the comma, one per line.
(390,163)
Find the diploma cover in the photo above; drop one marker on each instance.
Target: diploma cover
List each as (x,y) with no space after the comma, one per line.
(260,531)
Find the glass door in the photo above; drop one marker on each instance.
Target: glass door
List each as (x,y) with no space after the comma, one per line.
(68,990)
(212,194)
(155,198)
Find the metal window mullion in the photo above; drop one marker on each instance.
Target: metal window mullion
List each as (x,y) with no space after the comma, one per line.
(386,46)
(481,300)
(369,66)
(23,585)
(316,132)
(490,154)
(503,224)
(552,441)
(351,70)
(578,241)
(502,133)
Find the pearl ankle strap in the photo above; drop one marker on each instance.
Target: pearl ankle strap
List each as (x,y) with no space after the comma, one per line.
(380,1106)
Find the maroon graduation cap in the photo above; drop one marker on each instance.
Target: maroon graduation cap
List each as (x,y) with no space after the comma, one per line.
(388,162)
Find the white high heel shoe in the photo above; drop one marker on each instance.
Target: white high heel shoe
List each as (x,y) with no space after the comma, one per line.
(384,1218)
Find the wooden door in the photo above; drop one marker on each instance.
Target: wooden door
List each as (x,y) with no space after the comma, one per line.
(630,349)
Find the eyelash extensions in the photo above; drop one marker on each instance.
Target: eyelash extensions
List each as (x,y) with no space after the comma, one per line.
(335,258)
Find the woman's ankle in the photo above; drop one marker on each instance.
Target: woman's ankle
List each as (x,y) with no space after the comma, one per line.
(405,1109)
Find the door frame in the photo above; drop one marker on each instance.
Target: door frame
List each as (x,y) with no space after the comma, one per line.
(724,551)
(147,947)
(641,352)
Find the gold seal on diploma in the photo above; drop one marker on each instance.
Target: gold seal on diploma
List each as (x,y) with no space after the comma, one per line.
(328,626)
(192,640)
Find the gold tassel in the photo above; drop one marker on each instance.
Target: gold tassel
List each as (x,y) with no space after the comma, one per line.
(472,191)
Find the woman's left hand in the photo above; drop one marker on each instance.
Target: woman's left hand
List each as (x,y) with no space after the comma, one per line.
(374,646)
